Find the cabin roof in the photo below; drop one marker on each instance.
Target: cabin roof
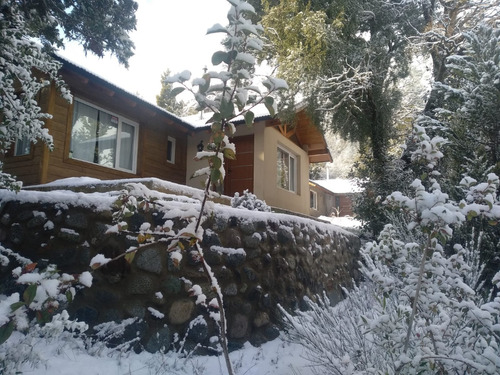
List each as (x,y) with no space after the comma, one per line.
(131,98)
(338,185)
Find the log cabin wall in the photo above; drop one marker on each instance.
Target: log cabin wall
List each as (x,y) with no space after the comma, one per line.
(155,128)
(27,168)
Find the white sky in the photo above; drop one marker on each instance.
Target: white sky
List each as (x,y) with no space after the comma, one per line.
(170,34)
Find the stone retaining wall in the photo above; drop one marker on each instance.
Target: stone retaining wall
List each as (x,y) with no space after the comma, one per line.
(260,259)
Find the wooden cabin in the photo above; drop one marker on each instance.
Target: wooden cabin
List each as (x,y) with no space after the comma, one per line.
(333,197)
(108,133)
(105,133)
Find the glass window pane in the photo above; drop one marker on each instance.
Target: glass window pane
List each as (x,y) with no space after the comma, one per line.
(23,147)
(96,135)
(282,174)
(171,150)
(93,136)
(83,132)
(292,170)
(286,170)
(105,140)
(127,146)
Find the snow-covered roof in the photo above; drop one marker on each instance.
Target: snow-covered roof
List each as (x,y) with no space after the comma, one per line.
(194,121)
(81,70)
(199,120)
(339,185)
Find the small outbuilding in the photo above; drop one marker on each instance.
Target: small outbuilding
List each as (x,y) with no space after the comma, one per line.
(333,197)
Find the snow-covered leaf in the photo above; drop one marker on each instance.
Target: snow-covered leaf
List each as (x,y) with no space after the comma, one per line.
(217,28)
(245,57)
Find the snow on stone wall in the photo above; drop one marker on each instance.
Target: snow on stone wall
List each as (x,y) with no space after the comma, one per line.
(260,260)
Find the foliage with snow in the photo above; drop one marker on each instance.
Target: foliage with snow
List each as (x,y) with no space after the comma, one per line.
(467,116)
(29,31)
(33,313)
(25,69)
(249,201)
(421,309)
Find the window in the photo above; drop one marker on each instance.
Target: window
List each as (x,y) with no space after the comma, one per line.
(103,138)
(287,170)
(23,147)
(313,200)
(171,150)
(337,202)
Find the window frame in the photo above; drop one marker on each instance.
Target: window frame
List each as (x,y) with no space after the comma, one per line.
(314,196)
(121,119)
(171,157)
(293,177)
(338,202)
(19,146)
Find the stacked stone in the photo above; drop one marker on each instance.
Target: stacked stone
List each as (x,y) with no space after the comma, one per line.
(259,264)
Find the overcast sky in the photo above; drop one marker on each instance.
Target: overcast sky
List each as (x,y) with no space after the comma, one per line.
(170,34)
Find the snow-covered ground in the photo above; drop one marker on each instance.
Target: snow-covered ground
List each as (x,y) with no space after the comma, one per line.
(68,357)
(346,222)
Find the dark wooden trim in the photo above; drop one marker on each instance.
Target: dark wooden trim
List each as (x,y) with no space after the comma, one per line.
(44,165)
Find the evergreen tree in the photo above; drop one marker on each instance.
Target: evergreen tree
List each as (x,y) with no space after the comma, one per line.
(98,25)
(469,118)
(167,100)
(351,84)
(360,94)
(298,41)
(26,66)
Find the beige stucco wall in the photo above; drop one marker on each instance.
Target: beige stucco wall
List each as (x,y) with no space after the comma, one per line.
(272,194)
(266,141)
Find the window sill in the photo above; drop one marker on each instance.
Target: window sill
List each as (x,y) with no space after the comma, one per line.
(97,167)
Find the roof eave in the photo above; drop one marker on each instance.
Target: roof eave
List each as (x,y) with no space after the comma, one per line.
(110,86)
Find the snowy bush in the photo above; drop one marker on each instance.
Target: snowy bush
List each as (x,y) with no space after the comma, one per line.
(228,93)
(35,313)
(424,313)
(249,201)
(334,338)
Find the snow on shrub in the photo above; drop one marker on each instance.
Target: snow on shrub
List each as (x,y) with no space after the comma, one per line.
(424,313)
(249,201)
(35,312)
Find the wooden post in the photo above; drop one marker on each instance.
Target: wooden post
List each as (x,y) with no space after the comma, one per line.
(51,104)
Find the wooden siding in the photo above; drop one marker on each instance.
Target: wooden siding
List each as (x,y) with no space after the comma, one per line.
(43,166)
(345,206)
(330,203)
(154,153)
(239,172)
(28,168)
